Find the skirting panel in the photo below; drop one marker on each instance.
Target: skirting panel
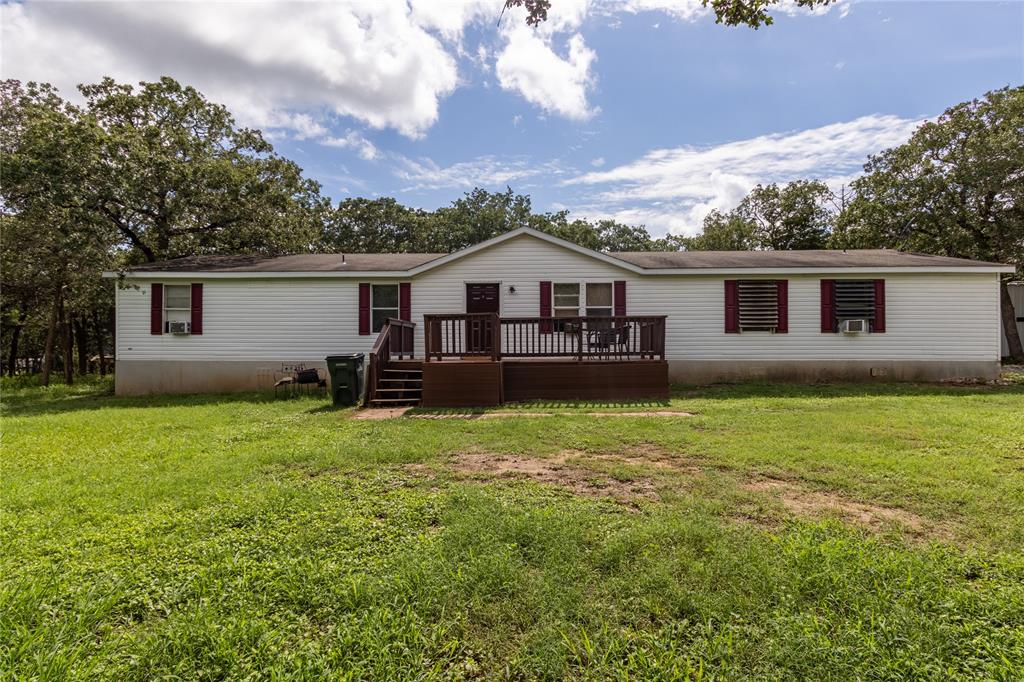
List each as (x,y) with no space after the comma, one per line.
(546,380)
(461,384)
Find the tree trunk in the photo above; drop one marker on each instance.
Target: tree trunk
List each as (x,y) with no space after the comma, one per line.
(81,344)
(12,359)
(51,336)
(65,329)
(97,328)
(1009,316)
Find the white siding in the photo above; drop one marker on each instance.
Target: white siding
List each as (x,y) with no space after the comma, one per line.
(929,316)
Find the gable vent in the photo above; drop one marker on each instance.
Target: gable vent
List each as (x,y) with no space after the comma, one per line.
(758,304)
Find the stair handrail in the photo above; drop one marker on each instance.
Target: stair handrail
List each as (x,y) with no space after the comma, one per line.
(395,337)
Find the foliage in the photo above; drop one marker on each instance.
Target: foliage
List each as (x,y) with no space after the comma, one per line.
(213,537)
(384,225)
(182,180)
(798,215)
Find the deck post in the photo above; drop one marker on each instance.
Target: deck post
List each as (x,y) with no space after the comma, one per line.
(495,337)
(427,321)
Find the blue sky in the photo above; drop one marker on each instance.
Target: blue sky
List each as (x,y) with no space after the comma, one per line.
(641,110)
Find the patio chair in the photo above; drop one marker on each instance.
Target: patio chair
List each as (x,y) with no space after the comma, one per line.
(608,341)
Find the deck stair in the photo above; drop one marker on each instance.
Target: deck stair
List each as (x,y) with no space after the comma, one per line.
(401,383)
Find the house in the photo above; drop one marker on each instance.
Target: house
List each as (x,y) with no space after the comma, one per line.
(528,315)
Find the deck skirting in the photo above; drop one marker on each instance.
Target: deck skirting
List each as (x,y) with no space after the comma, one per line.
(486,383)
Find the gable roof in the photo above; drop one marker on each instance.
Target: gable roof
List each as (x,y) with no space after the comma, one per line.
(642,262)
(847,258)
(305,262)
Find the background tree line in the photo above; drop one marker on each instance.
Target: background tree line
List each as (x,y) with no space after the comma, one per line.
(147,173)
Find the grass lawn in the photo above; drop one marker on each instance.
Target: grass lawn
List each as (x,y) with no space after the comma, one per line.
(781,532)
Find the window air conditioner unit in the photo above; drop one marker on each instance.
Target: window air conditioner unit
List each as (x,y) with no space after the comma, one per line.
(180,328)
(855,326)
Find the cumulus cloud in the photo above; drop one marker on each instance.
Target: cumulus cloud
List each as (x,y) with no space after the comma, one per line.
(530,66)
(266,61)
(673,189)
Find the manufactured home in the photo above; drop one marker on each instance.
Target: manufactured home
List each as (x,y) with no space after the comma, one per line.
(530,316)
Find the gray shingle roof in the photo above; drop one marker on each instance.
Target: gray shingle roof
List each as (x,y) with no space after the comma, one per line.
(853,258)
(400,262)
(307,262)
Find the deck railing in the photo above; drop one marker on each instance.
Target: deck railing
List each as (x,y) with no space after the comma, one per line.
(396,341)
(591,337)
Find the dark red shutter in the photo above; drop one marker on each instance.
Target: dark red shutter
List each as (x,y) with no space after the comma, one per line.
(782,288)
(405,301)
(732,306)
(156,308)
(879,325)
(364,309)
(197,309)
(545,306)
(620,298)
(828,306)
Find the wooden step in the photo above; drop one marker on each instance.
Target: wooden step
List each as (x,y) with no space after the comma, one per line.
(394,400)
(404,371)
(399,390)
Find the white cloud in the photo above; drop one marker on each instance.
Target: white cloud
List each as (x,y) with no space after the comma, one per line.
(530,66)
(354,140)
(484,171)
(598,162)
(266,61)
(675,188)
(683,10)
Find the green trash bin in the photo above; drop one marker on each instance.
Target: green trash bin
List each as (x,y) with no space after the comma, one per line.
(346,378)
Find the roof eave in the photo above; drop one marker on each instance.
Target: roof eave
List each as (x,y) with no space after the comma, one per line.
(395,274)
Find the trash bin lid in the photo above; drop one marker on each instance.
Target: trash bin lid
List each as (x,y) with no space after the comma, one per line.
(342,358)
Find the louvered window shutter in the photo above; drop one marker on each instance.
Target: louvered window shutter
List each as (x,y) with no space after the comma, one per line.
(364,309)
(545,307)
(782,287)
(197,309)
(156,308)
(828,306)
(405,301)
(732,307)
(878,326)
(620,298)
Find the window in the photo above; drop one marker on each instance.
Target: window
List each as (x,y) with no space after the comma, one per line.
(384,304)
(855,300)
(567,300)
(599,299)
(177,303)
(758,303)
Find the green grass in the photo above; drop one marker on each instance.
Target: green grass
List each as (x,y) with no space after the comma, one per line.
(228,537)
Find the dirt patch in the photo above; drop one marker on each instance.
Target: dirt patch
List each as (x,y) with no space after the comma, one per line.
(643,455)
(555,470)
(373,413)
(814,503)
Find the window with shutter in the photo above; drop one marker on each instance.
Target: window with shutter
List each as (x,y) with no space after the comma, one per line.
(854,300)
(758,303)
(384,304)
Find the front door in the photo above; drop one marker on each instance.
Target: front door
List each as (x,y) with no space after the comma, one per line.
(481,298)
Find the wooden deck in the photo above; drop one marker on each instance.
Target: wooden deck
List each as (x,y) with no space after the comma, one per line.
(478,360)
